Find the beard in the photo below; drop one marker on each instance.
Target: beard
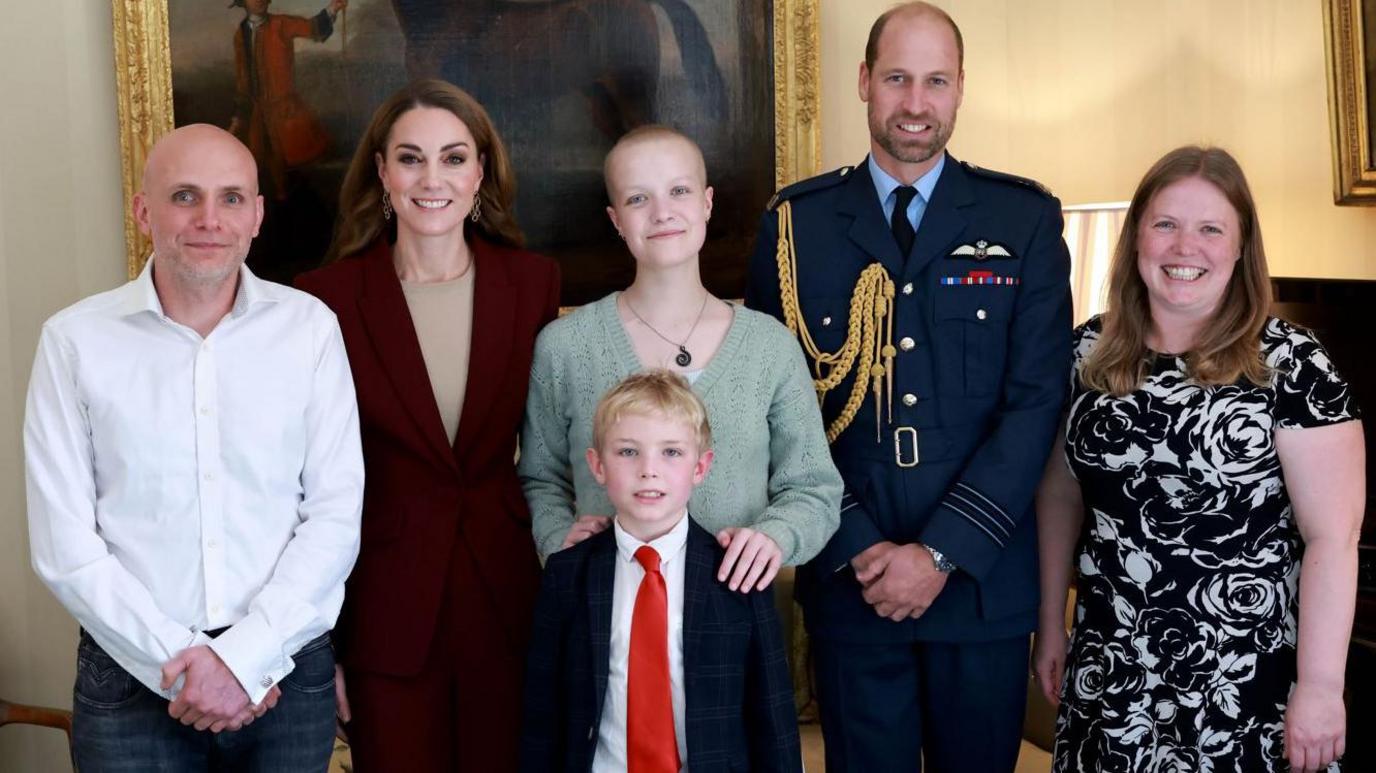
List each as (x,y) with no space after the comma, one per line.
(198,274)
(905,149)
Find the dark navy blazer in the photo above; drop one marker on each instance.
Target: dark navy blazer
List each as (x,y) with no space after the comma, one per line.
(984,297)
(740,714)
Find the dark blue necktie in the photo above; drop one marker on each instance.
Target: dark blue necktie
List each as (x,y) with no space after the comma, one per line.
(899,223)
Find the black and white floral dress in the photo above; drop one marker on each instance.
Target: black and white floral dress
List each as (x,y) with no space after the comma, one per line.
(1183,653)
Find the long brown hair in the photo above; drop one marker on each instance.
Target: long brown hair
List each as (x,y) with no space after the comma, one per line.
(1229,346)
(360,221)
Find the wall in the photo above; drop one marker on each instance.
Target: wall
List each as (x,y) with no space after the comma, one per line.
(1080,94)
(61,237)
(1085,95)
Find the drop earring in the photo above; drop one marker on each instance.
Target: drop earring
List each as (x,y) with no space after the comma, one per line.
(386,205)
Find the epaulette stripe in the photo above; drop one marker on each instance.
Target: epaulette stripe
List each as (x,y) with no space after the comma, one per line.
(817,183)
(1025,182)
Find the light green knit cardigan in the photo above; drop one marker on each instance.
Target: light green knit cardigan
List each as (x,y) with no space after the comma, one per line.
(773,470)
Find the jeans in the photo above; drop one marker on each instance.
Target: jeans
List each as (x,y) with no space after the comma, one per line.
(119,725)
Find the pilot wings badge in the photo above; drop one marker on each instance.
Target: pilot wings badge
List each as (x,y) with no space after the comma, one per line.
(983,250)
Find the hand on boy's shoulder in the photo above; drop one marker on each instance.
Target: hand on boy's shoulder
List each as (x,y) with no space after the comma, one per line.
(579,551)
(585,526)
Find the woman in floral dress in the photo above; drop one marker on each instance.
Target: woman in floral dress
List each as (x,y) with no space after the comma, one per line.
(1210,497)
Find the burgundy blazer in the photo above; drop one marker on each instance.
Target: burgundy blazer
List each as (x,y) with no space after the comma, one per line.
(425,500)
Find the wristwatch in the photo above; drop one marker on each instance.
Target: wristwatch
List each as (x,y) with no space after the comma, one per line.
(943,564)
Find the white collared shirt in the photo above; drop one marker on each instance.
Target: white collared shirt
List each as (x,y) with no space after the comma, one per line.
(610,756)
(179,484)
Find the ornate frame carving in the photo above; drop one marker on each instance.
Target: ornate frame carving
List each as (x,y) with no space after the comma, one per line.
(1354,169)
(797,91)
(143,91)
(143,80)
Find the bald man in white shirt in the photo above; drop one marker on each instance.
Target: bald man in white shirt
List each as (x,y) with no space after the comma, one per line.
(194,486)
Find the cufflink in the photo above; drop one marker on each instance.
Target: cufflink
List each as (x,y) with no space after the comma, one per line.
(266,682)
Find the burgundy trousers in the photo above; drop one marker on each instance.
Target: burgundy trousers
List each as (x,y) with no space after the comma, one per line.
(435,720)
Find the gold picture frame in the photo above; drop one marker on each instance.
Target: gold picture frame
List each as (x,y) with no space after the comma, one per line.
(1350,63)
(143,80)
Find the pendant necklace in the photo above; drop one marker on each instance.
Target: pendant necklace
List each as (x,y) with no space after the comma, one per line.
(684,358)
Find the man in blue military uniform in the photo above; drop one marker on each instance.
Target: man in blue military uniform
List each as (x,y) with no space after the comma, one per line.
(932,299)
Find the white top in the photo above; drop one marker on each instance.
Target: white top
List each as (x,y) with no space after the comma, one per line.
(179,484)
(610,756)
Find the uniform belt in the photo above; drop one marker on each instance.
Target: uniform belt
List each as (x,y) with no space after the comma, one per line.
(904,445)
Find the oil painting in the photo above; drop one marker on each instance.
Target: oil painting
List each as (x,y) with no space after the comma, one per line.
(297,81)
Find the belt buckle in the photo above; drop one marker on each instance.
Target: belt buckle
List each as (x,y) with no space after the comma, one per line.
(898,442)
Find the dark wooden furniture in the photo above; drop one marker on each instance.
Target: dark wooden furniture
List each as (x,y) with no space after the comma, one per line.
(1343,314)
(20,714)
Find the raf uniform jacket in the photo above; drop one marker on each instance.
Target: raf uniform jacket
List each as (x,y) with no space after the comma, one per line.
(982,330)
(426,501)
(739,700)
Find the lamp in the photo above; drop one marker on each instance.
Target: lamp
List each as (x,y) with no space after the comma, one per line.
(1091,233)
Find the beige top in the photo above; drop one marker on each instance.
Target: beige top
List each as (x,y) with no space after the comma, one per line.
(443,315)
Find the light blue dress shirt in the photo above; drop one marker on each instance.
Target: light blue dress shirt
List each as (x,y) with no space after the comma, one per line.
(885,186)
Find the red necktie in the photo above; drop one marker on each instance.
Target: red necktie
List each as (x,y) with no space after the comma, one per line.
(650,743)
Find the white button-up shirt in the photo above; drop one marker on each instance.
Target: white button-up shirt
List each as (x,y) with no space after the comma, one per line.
(610,756)
(179,484)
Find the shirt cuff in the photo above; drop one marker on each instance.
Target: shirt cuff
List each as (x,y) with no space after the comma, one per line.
(150,676)
(249,650)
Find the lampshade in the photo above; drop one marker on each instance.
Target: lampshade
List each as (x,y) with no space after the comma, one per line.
(1091,233)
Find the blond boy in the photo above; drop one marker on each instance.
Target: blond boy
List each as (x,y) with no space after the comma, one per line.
(642,660)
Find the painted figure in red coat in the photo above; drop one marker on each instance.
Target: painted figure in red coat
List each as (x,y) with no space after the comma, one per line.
(270,117)
(439,306)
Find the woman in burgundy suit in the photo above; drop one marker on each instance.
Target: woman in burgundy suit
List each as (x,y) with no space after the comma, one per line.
(439,306)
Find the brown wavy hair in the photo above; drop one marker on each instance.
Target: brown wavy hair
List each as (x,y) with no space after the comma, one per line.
(360,220)
(1229,346)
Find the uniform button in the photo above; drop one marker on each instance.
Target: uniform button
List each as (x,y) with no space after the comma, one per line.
(209,476)
(981,314)
(212,544)
(214,609)
(205,410)
(266,682)
(906,344)
(910,399)
(826,321)
(908,289)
